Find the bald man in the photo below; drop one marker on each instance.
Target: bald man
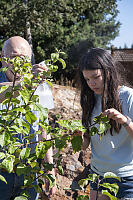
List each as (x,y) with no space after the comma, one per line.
(18,46)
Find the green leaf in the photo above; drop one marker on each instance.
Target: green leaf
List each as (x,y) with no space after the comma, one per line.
(83,197)
(112,187)
(111,175)
(8,95)
(54,57)
(48,166)
(42,148)
(25,152)
(25,95)
(93,177)
(2,155)
(105,192)
(15,128)
(41,181)
(105,119)
(20,109)
(33,164)
(27,126)
(76,143)
(83,182)
(43,125)
(30,117)
(3,69)
(53,68)
(21,169)
(103,127)
(72,125)
(63,62)
(2,139)
(93,131)
(15,100)
(50,84)
(26,80)
(21,198)
(60,169)
(5,101)
(60,143)
(2,178)
(43,112)
(7,163)
(97,119)
(3,88)
(11,149)
(51,180)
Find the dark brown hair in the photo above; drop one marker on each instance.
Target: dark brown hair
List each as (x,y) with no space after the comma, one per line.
(98,58)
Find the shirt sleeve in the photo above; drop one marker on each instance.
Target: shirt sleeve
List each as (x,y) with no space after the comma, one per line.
(130,105)
(126,97)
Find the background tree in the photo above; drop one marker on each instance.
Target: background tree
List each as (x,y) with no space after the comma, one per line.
(70,25)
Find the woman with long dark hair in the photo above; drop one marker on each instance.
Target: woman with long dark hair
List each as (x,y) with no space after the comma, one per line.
(102,91)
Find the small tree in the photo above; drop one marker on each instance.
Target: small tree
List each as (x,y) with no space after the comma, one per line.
(15,122)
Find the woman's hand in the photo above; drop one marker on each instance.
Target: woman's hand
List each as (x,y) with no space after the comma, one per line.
(120,118)
(115,115)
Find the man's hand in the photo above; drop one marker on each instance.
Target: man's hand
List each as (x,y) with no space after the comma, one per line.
(49,159)
(39,69)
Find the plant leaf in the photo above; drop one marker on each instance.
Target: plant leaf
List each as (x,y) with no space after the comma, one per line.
(76,143)
(25,152)
(3,88)
(105,192)
(2,178)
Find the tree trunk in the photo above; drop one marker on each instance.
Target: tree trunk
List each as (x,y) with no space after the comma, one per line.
(28,31)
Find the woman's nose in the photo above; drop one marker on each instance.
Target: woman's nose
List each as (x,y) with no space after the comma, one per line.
(92,83)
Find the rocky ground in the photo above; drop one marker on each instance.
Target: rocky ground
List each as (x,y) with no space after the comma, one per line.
(76,166)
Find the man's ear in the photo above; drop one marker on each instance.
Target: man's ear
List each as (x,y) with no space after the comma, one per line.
(3,63)
(2,54)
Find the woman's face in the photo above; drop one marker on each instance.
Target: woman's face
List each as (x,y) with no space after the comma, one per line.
(95,80)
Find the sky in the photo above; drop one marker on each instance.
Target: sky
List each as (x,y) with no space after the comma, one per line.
(126,19)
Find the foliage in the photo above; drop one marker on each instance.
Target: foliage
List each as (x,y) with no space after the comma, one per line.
(19,115)
(71,25)
(103,125)
(110,190)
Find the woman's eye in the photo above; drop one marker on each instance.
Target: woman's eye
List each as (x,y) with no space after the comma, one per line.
(96,77)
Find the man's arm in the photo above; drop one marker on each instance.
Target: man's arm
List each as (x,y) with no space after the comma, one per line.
(49,159)
(49,155)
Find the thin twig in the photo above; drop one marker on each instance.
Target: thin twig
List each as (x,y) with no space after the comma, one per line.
(54,138)
(14,80)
